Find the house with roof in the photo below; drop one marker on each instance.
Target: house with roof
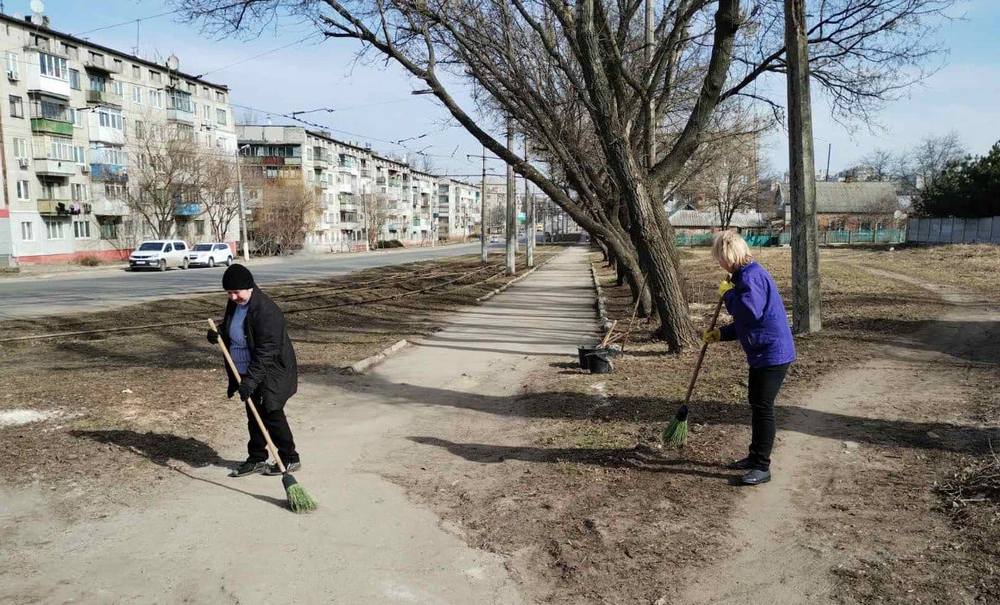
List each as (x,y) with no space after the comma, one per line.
(687,219)
(848,205)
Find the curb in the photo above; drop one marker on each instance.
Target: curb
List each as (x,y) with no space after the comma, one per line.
(601,305)
(368,362)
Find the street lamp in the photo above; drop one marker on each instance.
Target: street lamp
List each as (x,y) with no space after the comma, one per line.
(243,209)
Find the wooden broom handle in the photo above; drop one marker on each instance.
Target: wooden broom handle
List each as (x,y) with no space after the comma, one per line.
(249,403)
(701,356)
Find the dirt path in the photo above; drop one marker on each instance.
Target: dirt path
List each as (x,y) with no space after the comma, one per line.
(204,538)
(779,556)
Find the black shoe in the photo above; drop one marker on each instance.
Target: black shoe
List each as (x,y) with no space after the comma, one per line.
(755,477)
(740,465)
(249,468)
(272,469)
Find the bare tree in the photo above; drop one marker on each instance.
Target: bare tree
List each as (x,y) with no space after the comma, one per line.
(377,208)
(219,194)
(882,164)
(933,154)
(165,175)
(729,182)
(577,77)
(283,213)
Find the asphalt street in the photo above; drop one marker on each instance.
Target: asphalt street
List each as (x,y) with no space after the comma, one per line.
(26,297)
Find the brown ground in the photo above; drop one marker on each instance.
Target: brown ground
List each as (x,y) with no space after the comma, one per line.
(601,515)
(136,389)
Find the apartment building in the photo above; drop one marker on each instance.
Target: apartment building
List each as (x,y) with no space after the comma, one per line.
(459,209)
(71,108)
(351,184)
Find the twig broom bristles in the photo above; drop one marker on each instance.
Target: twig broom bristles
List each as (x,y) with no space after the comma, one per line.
(298,499)
(675,435)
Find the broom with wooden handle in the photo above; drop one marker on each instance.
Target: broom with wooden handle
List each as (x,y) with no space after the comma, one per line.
(298,499)
(676,432)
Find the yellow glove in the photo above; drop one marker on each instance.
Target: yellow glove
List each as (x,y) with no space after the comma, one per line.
(710,336)
(725,286)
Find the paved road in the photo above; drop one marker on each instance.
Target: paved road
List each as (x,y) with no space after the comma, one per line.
(35,297)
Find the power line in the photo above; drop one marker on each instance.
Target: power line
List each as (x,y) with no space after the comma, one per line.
(257,56)
(129,22)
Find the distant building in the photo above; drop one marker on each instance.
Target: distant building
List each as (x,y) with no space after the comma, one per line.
(840,205)
(689,220)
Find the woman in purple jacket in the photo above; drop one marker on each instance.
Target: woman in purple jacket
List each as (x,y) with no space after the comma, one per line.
(761,326)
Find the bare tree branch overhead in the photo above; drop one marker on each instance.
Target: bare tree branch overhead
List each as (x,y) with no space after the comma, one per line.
(578,79)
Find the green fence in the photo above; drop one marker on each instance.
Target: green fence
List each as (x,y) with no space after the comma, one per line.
(760,240)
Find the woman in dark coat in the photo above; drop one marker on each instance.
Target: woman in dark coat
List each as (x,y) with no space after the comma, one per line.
(761,326)
(255,333)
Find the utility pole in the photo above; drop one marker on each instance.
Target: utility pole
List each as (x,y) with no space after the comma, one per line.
(243,208)
(529,223)
(483,246)
(511,207)
(802,175)
(829,150)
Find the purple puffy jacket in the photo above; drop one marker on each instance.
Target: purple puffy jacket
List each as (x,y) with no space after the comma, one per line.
(759,320)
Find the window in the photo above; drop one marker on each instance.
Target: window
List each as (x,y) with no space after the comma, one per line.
(71,51)
(81,229)
(16,107)
(79,156)
(74,79)
(207,112)
(12,65)
(137,94)
(110,119)
(39,41)
(114,192)
(96,58)
(199,227)
(156,98)
(118,87)
(154,76)
(220,97)
(77,118)
(52,66)
(117,63)
(220,116)
(22,190)
(27,233)
(138,128)
(53,229)
(205,93)
(20,148)
(109,230)
(59,150)
(79,192)
(98,83)
(50,110)
(136,72)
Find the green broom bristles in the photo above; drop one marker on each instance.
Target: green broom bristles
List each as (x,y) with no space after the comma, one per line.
(675,435)
(298,499)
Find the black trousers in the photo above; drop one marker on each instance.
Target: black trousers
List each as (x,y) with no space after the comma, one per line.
(281,435)
(763,386)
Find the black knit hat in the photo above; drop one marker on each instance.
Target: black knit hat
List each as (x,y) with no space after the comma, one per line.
(237,277)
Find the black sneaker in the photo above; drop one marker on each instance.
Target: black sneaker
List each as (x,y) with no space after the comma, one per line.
(248,468)
(740,465)
(272,469)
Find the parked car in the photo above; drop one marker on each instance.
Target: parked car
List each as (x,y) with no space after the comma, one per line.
(159,254)
(210,254)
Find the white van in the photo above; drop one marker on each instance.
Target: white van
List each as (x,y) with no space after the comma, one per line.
(159,254)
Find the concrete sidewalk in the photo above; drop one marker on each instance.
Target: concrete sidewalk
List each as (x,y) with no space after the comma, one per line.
(211,539)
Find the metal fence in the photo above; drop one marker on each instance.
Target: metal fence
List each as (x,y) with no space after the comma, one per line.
(954,230)
(760,240)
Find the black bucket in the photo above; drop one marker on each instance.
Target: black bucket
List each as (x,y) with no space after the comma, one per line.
(598,362)
(583,351)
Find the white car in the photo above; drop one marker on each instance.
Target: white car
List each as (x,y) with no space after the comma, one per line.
(159,254)
(210,254)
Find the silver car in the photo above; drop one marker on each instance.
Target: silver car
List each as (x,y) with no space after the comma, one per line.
(159,254)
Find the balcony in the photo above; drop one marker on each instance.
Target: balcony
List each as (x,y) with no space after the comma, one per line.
(114,173)
(104,97)
(50,126)
(321,161)
(62,168)
(100,64)
(188,209)
(180,115)
(54,206)
(109,208)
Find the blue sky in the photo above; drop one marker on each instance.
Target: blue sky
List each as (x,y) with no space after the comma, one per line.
(374,103)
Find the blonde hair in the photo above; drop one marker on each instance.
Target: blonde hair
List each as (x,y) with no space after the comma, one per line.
(729,248)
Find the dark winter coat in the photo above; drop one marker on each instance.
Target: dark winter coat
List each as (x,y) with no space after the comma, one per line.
(759,320)
(273,374)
